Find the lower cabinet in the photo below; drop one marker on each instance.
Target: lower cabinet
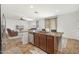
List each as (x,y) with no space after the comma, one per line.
(42,41)
(36,40)
(47,43)
(50,44)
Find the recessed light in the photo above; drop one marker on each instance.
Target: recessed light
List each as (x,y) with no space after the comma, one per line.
(31,6)
(57,10)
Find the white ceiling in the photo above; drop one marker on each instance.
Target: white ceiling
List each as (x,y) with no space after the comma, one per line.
(16,11)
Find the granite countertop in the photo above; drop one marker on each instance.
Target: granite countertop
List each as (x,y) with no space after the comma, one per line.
(48,33)
(54,34)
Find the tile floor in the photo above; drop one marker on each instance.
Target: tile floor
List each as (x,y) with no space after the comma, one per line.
(72,47)
(16,47)
(19,48)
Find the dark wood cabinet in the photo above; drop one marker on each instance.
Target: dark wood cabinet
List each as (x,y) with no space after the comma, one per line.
(50,44)
(47,43)
(42,38)
(36,40)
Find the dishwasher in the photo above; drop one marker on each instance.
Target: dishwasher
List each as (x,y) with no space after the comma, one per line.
(31,38)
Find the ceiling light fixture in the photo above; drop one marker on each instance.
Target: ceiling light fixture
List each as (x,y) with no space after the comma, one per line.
(29,19)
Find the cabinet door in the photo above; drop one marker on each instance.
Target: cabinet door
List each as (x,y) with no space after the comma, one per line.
(50,44)
(36,40)
(42,41)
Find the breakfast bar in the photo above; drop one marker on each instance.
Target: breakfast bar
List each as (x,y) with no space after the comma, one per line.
(47,41)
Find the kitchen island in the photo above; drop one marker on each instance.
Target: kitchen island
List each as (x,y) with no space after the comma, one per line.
(47,41)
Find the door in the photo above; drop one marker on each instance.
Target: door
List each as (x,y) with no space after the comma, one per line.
(50,44)
(43,41)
